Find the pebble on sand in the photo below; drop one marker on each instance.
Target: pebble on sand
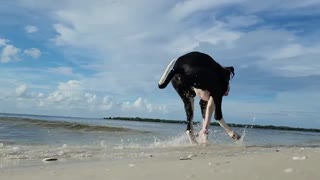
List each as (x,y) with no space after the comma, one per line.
(299,158)
(191,155)
(288,170)
(49,159)
(185,158)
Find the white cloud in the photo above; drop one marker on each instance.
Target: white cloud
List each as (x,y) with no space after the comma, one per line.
(31,29)
(219,34)
(134,35)
(67,95)
(287,108)
(142,105)
(287,6)
(21,90)
(292,60)
(236,21)
(62,70)
(275,51)
(107,103)
(65,35)
(297,60)
(91,98)
(290,51)
(185,8)
(9,53)
(33,52)
(71,87)
(3,42)
(72,98)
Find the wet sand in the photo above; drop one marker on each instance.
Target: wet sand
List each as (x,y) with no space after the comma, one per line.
(186,163)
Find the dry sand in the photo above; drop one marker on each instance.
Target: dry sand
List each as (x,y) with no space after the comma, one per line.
(243,163)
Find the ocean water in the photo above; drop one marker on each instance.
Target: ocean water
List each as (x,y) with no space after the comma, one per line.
(29,138)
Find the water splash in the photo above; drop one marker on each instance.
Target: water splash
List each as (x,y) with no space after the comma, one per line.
(241,140)
(243,133)
(176,141)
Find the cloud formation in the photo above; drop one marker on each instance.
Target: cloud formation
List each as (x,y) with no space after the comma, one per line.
(11,53)
(109,55)
(33,52)
(31,29)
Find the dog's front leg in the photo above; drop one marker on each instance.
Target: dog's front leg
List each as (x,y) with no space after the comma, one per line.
(223,124)
(203,134)
(230,132)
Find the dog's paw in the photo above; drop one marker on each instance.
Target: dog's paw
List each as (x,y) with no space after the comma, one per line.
(235,135)
(203,137)
(192,137)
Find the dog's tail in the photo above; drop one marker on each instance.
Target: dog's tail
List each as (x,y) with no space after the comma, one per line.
(167,75)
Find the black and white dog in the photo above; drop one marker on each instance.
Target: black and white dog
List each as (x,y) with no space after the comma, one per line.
(197,74)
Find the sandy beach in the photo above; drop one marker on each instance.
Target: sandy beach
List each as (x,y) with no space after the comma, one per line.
(188,163)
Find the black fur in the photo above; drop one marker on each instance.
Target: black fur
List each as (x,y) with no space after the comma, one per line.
(199,70)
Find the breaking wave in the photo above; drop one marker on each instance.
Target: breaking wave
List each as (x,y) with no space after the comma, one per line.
(65,125)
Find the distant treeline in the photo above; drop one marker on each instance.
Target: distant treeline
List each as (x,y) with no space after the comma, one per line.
(214,124)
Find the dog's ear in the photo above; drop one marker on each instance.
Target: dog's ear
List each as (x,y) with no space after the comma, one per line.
(230,69)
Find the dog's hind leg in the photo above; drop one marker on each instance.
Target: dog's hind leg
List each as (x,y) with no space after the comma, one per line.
(189,109)
(187,96)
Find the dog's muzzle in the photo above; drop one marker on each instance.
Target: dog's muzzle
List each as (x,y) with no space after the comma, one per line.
(227,92)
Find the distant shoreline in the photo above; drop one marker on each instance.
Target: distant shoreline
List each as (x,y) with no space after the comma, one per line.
(177,122)
(213,124)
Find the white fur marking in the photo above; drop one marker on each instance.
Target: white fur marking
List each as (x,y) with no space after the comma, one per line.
(166,72)
(203,94)
(202,138)
(203,134)
(229,131)
(226,127)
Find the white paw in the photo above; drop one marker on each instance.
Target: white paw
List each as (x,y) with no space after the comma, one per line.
(192,137)
(202,137)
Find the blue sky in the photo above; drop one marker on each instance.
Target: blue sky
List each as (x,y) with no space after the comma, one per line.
(104,57)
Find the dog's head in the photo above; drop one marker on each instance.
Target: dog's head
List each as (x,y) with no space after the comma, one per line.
(230,72)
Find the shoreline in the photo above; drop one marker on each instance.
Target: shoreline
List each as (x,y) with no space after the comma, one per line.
(205,162)
(272,127)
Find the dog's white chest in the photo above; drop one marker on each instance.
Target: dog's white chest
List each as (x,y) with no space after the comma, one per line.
(203,94)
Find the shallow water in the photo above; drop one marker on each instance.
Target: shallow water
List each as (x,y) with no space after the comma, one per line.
(27,138)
